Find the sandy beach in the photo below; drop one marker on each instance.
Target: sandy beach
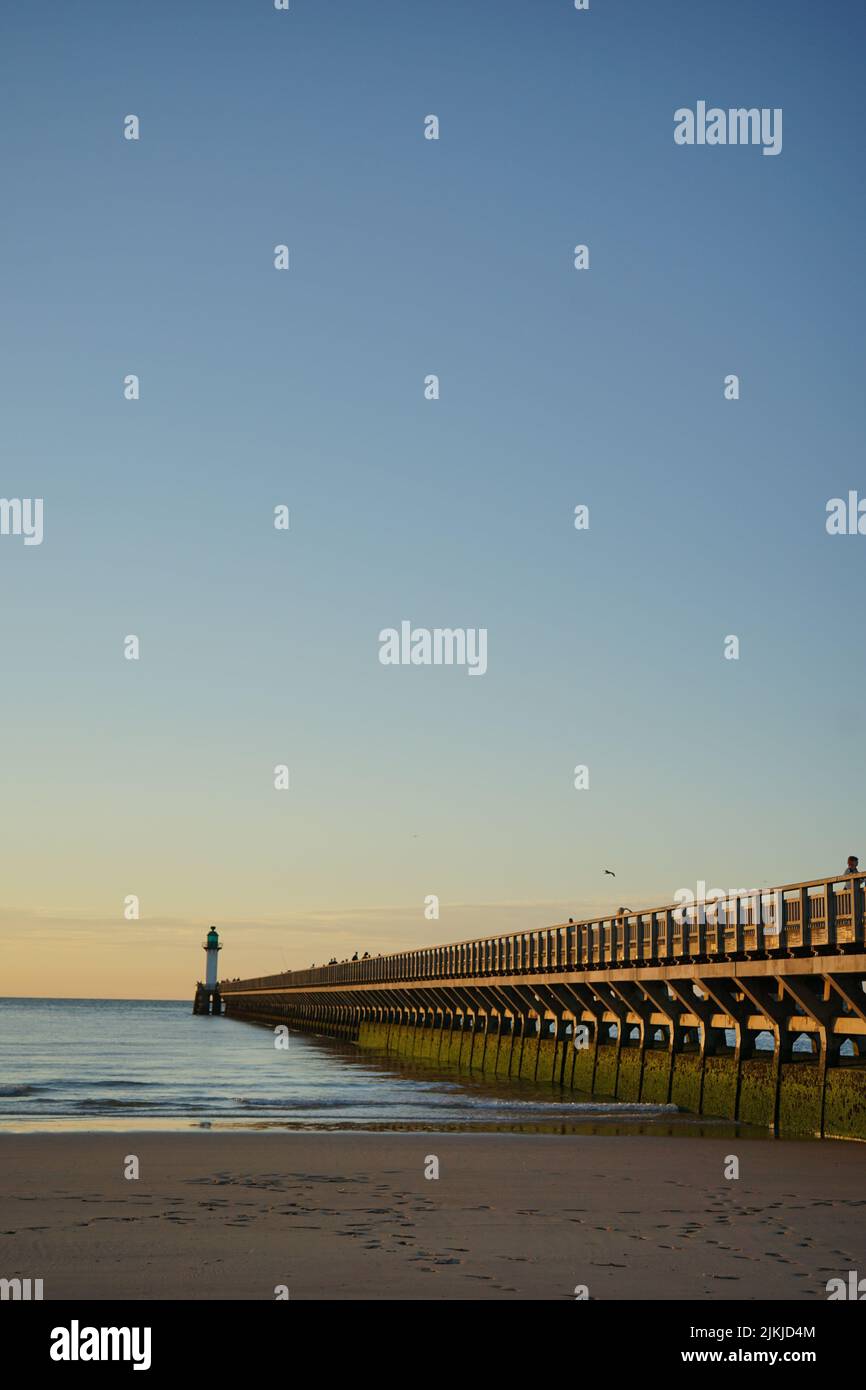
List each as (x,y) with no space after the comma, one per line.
(352,1216)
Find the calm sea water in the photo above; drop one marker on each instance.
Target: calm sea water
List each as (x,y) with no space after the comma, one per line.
(139,1064)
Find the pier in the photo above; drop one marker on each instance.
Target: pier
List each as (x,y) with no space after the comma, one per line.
(664,1005)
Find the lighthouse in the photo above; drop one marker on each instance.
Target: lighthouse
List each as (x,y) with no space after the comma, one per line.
(207,995)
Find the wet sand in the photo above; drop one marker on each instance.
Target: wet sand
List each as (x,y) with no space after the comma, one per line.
(352,1216)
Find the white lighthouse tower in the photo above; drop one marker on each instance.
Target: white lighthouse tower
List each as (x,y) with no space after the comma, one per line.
(207,995)
(212,949)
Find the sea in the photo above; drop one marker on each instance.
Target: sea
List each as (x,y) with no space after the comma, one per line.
(97,1064)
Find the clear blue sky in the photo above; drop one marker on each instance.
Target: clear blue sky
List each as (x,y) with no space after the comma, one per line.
(411,257)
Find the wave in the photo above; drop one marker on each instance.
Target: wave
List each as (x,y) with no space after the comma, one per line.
(119,1083)
(108,1104)
(586,1107)
(15,1088)
(319,1104)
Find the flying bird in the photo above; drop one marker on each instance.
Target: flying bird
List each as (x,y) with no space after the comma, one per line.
(611,872)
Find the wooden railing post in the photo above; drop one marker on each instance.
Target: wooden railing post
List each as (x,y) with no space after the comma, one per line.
(857,909)
(830,909)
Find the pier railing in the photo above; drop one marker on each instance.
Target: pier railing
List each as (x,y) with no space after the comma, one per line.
(820,914)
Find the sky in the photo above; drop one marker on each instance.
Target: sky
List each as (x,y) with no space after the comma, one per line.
(259,387)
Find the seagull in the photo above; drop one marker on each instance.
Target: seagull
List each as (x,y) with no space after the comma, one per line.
(611,872)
